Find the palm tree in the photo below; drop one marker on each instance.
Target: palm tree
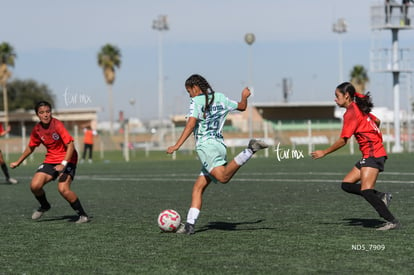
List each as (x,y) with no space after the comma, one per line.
(108,58)
(7,57)
(359,78)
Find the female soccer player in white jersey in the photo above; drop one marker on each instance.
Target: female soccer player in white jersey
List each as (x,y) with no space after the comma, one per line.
(60,161)
(208,111)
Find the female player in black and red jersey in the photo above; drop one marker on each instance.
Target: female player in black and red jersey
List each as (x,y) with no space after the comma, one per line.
(60,161)
(358,121)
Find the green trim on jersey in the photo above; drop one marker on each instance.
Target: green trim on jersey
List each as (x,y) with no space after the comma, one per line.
(210,127)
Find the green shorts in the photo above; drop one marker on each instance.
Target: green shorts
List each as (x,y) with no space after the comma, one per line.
(212,153)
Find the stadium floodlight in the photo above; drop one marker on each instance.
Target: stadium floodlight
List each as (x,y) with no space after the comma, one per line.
(160,24)
(249,38)
(340,27)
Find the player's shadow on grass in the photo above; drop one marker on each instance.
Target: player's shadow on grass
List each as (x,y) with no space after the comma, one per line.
(371,223)
(230,226)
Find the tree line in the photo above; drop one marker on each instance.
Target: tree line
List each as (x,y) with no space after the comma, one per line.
(23,94)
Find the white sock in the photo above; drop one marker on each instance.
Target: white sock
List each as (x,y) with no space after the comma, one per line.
(192,215)
(243,156)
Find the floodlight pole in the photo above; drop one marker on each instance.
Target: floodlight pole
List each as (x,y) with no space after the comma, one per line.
(249,38)
(397,148)
(160,24)
(340,27)
(132,102)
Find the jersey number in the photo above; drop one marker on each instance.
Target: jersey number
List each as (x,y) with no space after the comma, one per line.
(213,125)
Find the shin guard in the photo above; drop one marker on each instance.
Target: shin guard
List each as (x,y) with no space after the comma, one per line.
(371,196)
(352,188)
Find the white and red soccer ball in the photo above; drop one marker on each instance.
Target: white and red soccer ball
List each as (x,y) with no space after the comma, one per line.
(169,220)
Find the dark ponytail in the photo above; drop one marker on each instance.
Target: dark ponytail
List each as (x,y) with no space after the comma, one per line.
(201,82)
(363,101)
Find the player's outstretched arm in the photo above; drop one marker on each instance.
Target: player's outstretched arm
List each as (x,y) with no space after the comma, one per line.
(242,104)
(189,127)
(27,152)
(7,130)
(337,145)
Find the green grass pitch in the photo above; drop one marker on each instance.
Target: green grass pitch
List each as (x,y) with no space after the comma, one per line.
(274,217)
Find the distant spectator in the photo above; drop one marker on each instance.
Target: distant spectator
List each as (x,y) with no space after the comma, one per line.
(388,10)
(88,143)
(404,10)
(2,162)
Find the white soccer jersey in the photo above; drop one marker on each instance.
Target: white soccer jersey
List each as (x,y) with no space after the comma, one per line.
(210,127)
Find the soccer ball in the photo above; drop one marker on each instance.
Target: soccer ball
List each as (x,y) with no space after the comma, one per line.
(169,220)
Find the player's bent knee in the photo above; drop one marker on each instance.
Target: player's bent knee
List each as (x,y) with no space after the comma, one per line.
(35,190)
(223,179)
(64,192)
(36,187)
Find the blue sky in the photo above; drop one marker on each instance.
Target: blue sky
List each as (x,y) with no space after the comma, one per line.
(57,44)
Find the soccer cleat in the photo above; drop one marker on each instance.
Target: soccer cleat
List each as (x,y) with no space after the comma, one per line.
(181,229)
(386,198)
(390,226)
(82,219)
(186,228)
(12,181)
(256,145)
(39,213)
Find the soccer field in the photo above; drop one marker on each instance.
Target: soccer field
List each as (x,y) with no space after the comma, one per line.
(274,217)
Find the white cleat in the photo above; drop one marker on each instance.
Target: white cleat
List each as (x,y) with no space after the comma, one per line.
(256,145)
(12,181)
(390,226)
(38,213)
(82,219)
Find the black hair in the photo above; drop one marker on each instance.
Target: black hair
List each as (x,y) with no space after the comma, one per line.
(363,101)
(201,82)
(40,104)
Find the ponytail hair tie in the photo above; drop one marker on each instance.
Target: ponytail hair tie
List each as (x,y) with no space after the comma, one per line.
(360,95)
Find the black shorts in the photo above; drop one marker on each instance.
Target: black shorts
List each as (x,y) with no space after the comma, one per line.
(372,162)
(49,169)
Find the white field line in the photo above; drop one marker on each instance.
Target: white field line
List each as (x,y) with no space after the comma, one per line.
(251,177)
